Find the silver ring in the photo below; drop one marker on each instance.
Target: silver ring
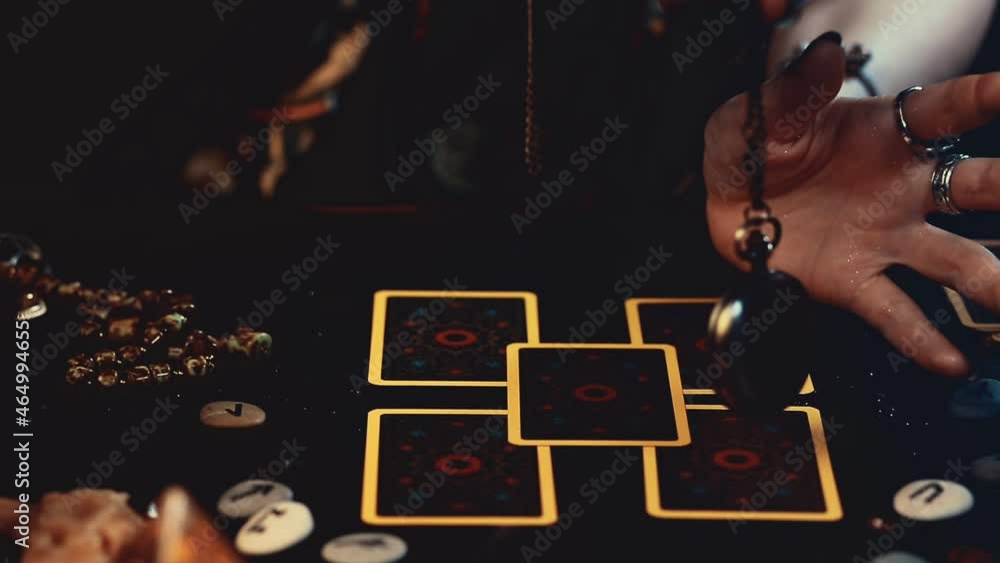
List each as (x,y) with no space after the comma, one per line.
(927,149)
(941,184)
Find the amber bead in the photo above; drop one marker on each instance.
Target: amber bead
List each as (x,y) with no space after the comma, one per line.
(68,290)
(92,310)
(172,323)
(108,378)
(79,374)
(91,329)
(160,372)
(200,344)
(175,354)
(198,366)
(106,358)
(130,354)
(139,375)
(126,307)
(151,336)
(249,344)
(124,329)
(189,310)
(81,360)
(148,298)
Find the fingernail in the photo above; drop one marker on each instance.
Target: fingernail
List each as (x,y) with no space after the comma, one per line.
(828,37)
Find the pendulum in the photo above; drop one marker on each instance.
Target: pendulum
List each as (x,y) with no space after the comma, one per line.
(761,329)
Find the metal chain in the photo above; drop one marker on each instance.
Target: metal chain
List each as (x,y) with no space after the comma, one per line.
(753,243)
(532,142)
(756,124)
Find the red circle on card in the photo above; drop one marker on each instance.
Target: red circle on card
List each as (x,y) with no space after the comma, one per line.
(595,393)
(460,465)
(455,337)
(736,459)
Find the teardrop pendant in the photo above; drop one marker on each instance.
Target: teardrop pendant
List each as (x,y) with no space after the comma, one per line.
(765,326)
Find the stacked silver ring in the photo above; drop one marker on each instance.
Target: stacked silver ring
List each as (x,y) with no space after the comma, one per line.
(940,150)
(941,184)
(927,149)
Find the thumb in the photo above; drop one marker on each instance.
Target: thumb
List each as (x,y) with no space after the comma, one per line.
(791,102)
(807,84)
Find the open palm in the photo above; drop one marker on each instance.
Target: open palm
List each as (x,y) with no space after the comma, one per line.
(853,199)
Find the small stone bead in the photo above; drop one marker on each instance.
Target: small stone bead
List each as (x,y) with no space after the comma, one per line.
(86,295)
(168,299)
(105,358)
(128,306)
(81,360)
(108,378)
(148,298)
(249,344)
(78,374)
(200,344)
(68,289)
(130,354)
(93,310)
(160,372)
(151,336)
(198,366)
(139,375)
(91,329)
(188,310)
(172,323)
(124,329)
(175,354)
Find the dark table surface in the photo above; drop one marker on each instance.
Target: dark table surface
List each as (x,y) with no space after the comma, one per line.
(895,425)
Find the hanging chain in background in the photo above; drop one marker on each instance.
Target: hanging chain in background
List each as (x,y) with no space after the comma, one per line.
(532,142)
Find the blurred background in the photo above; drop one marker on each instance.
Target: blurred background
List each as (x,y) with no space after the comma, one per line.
(354,86)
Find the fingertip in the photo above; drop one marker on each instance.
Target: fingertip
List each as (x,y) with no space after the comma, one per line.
(951,364)
(825,43)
